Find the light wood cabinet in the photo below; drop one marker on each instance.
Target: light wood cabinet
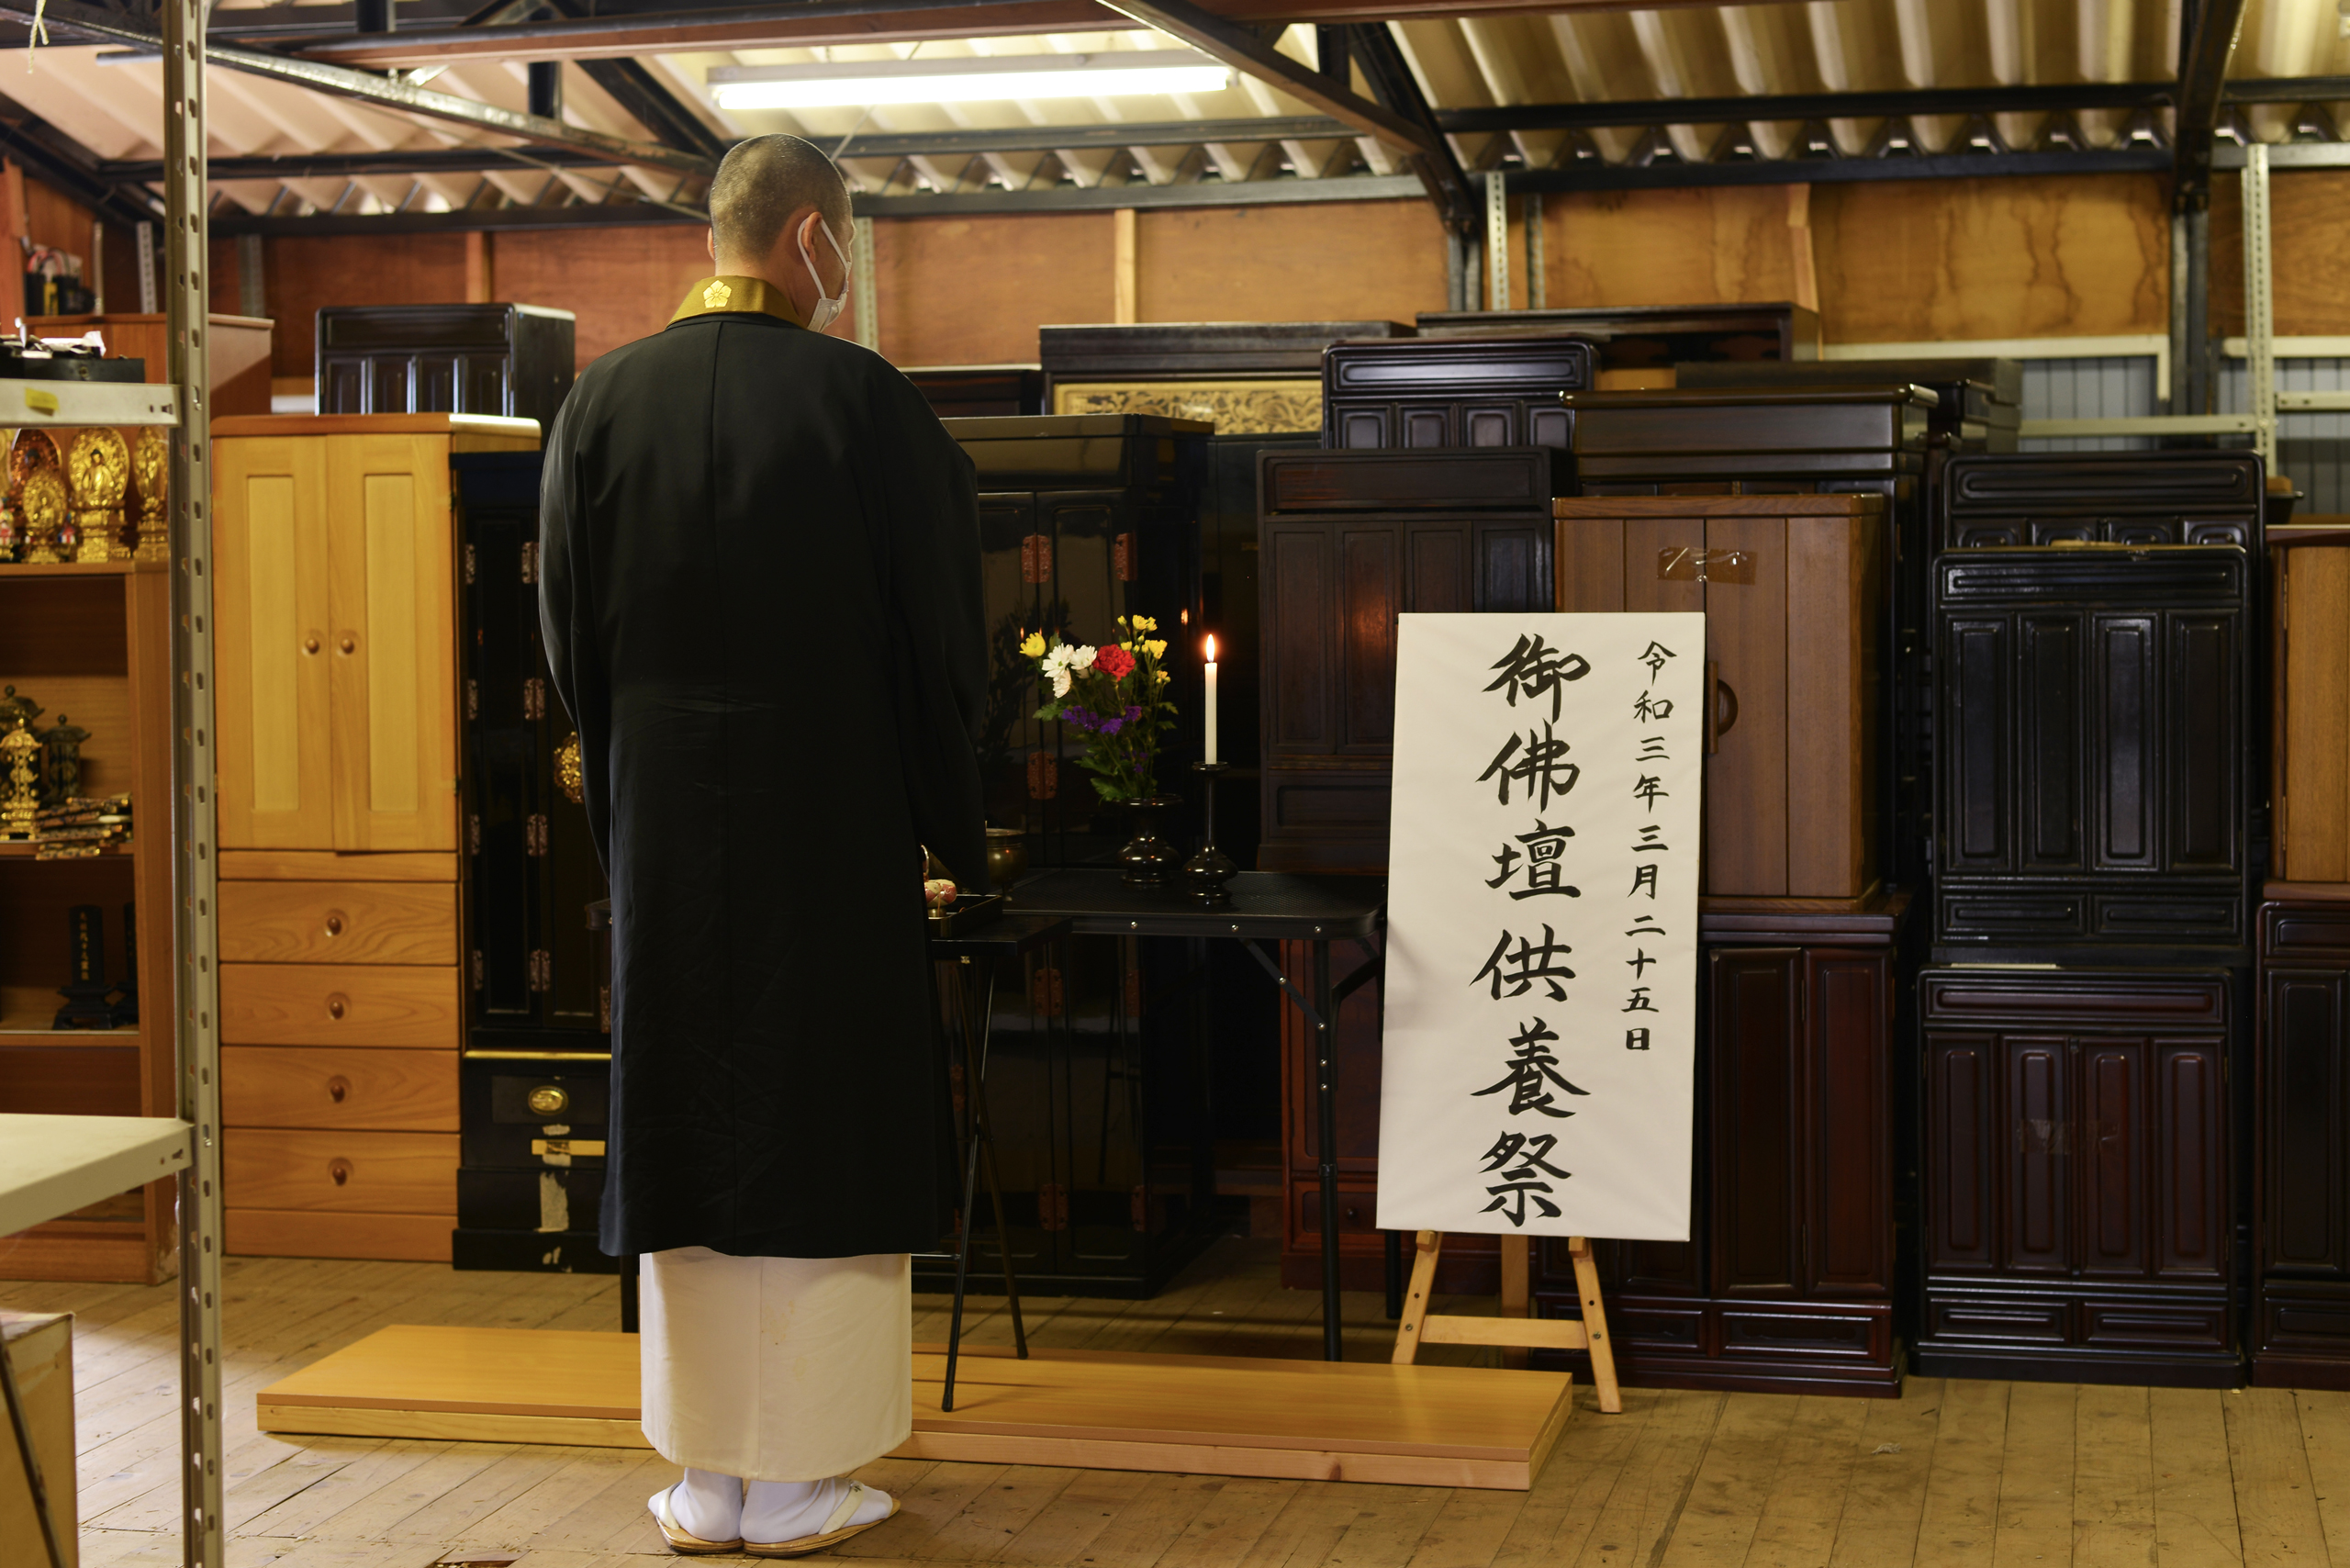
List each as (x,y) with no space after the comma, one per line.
(334,607)
(342,990)
(1790,589)
(2310,728)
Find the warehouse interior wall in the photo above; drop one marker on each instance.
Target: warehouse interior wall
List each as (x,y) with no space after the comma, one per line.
(1887,261)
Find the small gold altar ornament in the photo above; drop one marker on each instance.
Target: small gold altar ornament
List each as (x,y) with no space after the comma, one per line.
(41,506)
(20,795)
(99,467)
(151,466)
(717,296)
(29,452)
(566,771)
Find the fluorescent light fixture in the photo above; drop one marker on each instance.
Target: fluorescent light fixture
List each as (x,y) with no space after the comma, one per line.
(993,78)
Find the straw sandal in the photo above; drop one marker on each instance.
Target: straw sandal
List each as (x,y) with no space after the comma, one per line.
(834,1532)
(681,1540)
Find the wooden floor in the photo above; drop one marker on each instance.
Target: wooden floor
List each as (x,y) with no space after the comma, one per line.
(1988,1474)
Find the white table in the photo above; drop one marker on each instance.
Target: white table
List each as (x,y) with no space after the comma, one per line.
(53,1165)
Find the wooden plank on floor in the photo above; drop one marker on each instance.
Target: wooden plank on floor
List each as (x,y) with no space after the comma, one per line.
(1222,1534)
(1726,1496)
(2195,1501)
(1958,1527)
(1064,1529)
(1885,1492)
(1796,1524)
(2275,1499)
(2114,1478)
(2035,1521)
(1563,1506)
(980,1532)
(2326,1439)
(1644,1508)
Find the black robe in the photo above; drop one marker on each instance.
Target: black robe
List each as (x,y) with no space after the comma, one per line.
(759,587)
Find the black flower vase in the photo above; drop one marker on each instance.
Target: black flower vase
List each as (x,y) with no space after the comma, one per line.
(1147,860)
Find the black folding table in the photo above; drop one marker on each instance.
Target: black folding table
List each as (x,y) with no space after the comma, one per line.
(1266,906)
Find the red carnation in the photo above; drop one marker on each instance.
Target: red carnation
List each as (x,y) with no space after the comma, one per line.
(1114,662)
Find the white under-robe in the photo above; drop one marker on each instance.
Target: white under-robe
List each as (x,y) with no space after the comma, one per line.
(775,1369)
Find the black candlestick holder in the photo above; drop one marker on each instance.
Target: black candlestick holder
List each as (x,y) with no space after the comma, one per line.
(1204,874)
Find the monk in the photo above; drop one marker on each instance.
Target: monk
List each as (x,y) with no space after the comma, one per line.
(760,597)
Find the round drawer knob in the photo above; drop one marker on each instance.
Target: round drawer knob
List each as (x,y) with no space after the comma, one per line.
(339,1170)
(310,643)
(547,1100)
(335,922)
(1353,1215)
(338,1088)
(350,644)
(336,1007)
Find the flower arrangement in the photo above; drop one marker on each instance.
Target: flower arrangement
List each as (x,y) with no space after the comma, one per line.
(1117,695)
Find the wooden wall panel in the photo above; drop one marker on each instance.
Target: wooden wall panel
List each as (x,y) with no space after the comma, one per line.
(1905,261)
(1365,261)
(2310,220)
(974,290)
(622,282)
(1692,247)
(307,271)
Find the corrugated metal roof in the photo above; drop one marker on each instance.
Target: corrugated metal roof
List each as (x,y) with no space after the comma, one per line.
(114,109)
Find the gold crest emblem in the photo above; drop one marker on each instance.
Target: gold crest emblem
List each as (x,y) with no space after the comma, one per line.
(716,297)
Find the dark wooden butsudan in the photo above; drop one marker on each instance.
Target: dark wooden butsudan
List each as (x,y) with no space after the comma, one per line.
(2300,1289)
(1980,400)
(2106,497)
(1787,1281)
(2078,1208)
(980,391)
(1348,540)
(1430,392)
(1650,337)
(1792,589)
(1080,520)
(2094,776)
(509,360)
(534,970)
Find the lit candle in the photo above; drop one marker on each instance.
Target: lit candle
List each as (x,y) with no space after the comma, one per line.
(1210,708)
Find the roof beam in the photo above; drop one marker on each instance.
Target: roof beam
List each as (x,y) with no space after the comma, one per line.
(1412,132)
(74,18)
(1375,50)
(2207,36)
(58,160)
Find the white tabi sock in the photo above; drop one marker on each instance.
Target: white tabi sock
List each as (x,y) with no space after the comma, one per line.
(709,1505)
(777,1511)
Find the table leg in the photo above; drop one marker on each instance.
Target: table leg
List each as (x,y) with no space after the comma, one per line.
(983,1128)
(1325,1071)
(971,1125)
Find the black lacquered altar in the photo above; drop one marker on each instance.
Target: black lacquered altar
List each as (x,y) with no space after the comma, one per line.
(1265,906)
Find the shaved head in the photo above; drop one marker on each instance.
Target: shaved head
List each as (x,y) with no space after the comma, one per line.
(762,183)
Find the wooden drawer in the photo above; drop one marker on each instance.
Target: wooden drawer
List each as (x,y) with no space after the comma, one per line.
(338,1087)
(339,1173)
(339,923)
(401,1238)
(337,866)
(340,1004)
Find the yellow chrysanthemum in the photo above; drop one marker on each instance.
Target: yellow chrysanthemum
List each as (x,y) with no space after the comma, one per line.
(1144,623)
(1157,649)
(1034,647)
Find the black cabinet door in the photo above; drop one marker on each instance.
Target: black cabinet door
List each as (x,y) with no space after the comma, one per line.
(2305,1121)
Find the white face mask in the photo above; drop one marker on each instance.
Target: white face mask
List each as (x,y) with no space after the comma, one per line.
(828,308)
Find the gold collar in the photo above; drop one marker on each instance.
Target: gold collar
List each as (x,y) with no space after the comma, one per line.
(719,296)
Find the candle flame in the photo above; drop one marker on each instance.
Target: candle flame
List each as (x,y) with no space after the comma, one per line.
(1211,648)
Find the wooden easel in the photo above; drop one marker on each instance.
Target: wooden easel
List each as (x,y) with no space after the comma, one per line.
(1512,1329)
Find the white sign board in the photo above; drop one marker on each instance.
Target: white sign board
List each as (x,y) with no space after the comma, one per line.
(1541,986)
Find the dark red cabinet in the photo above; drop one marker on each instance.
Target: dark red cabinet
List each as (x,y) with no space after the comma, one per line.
(1787,1281)
(2300,1329)
(2076,1192)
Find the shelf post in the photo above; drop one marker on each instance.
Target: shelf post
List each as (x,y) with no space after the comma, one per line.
(196,881)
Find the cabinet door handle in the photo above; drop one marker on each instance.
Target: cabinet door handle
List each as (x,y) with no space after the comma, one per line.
(335,1005)
(338,1088)
(335,922)
(310,643)
(339,1170)
(350,644)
